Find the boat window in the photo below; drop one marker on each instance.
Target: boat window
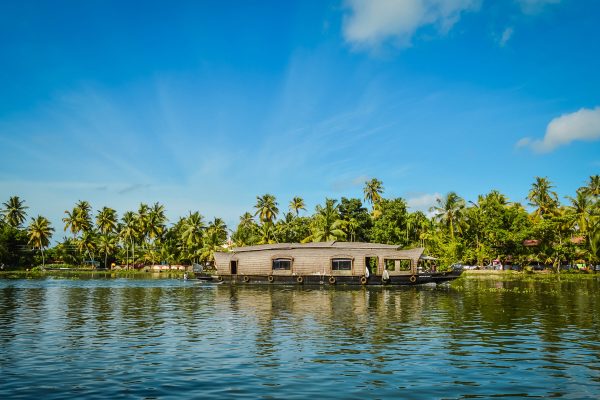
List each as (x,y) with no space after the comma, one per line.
(390,265)
(282,264)
(397,265)
(405,265)
(341,264)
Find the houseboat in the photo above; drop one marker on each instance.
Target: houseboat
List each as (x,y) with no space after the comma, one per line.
(328,263)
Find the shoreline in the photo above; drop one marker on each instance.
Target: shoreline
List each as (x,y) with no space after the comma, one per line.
(103,274)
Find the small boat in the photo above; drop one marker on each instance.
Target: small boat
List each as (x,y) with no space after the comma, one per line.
(331,263)
(199,273)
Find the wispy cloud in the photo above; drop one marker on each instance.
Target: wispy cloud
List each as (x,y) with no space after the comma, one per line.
(343,184)
(535,6)
(422,202)
(372,22)
(506,35)
(582,125)
(133,188)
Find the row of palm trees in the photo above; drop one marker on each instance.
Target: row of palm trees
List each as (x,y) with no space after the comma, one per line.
(455,229)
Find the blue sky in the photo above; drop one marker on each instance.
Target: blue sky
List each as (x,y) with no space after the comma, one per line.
(203,105)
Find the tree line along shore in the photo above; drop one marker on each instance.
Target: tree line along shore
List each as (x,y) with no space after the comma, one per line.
(551,233)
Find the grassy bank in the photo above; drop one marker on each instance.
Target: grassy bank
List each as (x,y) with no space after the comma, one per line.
(91,274)
(531,275)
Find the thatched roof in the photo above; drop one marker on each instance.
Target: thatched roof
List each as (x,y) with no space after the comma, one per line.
(323,245)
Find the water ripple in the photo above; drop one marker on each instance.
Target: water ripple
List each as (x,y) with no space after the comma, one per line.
(167,339)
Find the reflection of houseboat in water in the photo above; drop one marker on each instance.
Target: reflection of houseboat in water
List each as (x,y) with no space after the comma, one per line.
(346,263)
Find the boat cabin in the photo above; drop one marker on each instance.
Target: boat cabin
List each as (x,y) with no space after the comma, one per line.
(323,258)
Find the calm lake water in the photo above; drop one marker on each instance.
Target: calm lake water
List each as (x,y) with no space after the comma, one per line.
(126,338)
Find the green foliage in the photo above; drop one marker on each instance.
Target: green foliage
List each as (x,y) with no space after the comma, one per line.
(470,232)
(391,225)
(14,248)
(358,221)
(247,232)
(13,212)
(326,224)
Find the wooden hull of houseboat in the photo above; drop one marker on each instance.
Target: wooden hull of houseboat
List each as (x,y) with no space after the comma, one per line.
(312,280)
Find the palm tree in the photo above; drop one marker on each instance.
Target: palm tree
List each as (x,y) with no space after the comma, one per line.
(83,212)
(327,224)
(373,190)
(40,232)
(246,232)
(78,220)
(448,210)
(593,187)
(193,231)
(128,233)
(297,204)
(14,211)
(542,197)
(267,234)
(71,222)
(107,244)
(215,238)
(156,221)
(87,244)
(266,208)
(246,220)
(142,221)
(580,210)
(106,220)
(351,227)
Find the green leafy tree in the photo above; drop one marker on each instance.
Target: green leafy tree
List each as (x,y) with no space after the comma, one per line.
(292,229)
(12,243)
(358,222)
(391,225)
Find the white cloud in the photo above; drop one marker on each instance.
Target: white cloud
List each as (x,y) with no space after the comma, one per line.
(506,35)
(581,125)
(535,6)
(374,21)
(423,202)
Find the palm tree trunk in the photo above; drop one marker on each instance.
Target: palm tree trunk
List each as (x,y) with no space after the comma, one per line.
(133,253)
(43,261)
